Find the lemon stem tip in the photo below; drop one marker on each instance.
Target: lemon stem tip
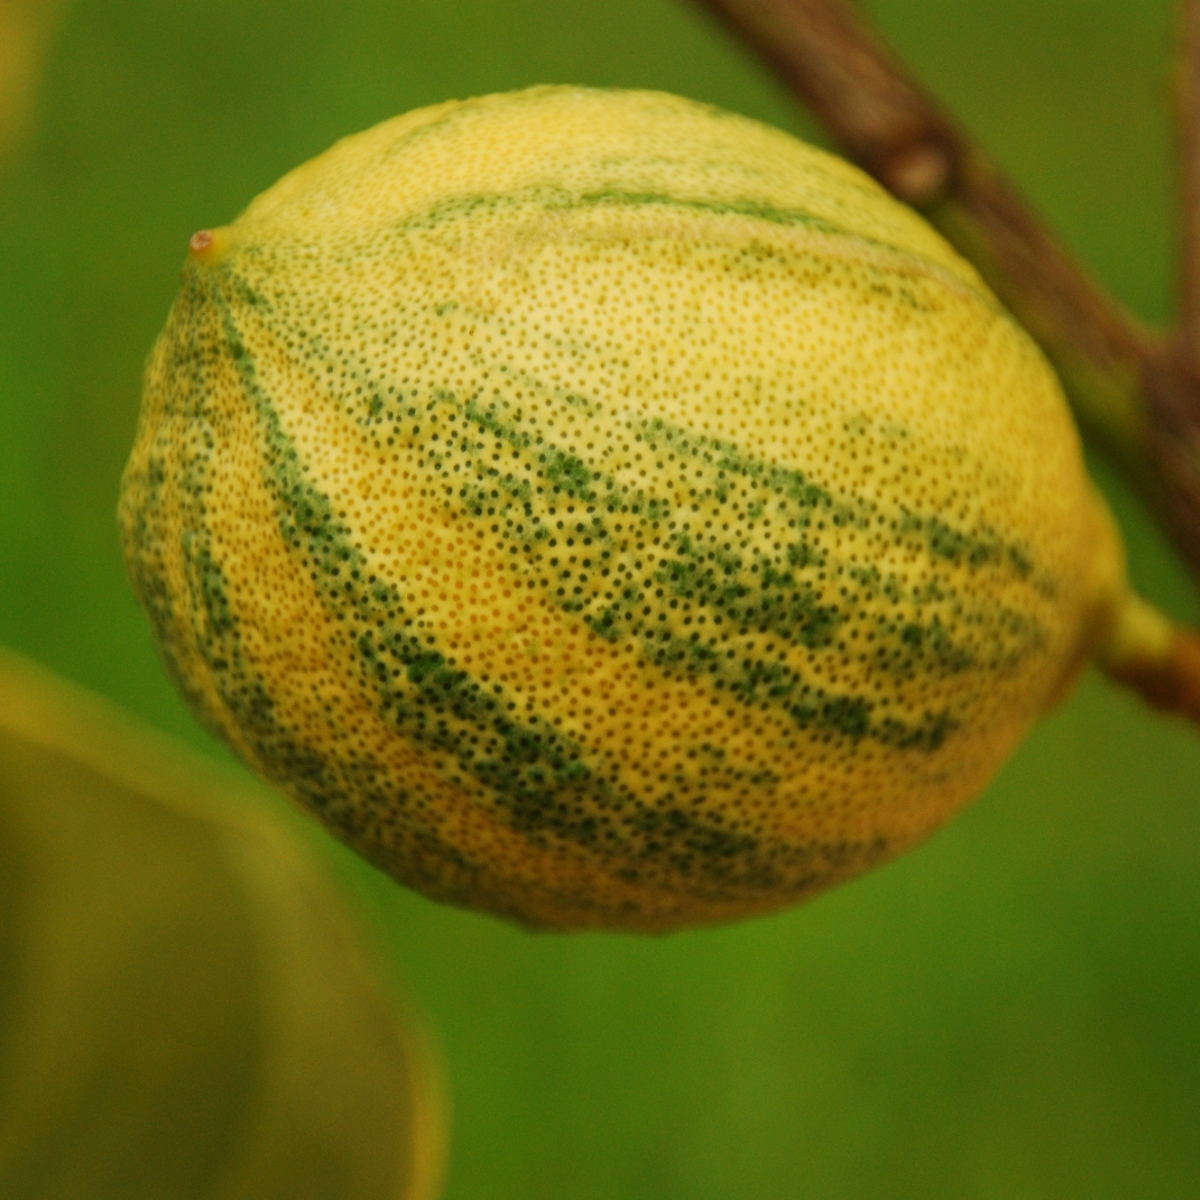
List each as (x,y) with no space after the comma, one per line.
(1160,660)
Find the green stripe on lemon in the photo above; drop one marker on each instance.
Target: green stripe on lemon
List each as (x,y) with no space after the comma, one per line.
(608,511)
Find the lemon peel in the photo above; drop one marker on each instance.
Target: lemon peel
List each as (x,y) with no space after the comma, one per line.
(608,511)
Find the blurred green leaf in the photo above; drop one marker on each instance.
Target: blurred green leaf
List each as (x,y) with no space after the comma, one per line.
(185,1008)
(25,30)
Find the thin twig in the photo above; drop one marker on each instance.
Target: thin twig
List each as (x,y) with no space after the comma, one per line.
(1170,683)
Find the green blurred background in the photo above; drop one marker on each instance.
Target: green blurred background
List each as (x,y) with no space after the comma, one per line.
(1012,1010)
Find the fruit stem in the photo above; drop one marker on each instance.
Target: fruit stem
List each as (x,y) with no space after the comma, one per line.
(1148,652)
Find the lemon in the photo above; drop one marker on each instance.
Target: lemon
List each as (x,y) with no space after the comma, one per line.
(608,511)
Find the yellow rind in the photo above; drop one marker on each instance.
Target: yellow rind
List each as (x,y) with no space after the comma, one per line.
(611,294)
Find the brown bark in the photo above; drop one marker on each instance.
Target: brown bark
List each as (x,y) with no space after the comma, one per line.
(1172,684)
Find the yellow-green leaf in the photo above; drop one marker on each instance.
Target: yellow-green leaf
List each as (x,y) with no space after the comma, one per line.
(186,1010)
